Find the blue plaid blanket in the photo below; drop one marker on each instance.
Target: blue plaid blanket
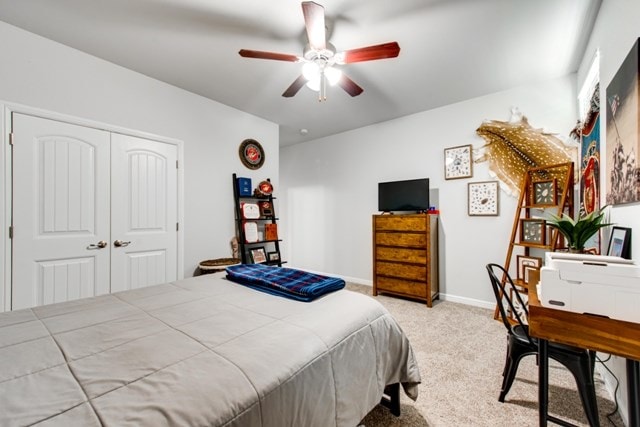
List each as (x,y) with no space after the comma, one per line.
(286,282)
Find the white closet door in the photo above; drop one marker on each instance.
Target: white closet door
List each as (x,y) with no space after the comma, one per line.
(60,211)
(143,212)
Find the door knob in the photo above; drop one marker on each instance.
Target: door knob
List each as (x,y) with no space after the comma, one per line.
(101,244)
(120,243)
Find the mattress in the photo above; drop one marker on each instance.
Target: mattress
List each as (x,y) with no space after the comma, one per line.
(201,352)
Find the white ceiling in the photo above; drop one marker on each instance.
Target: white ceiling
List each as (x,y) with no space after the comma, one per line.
(451,50)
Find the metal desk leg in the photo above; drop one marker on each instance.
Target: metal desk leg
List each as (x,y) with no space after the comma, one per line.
(543,381)
(633,392)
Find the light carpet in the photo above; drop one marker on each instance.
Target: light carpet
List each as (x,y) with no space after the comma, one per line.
(461,352)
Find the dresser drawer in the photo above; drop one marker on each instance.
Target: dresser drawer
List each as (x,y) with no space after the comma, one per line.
(404,271)
(406,287)
(384,253)
(401,222)
(401,239)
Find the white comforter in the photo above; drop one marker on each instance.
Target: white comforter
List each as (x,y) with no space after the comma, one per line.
(200,352)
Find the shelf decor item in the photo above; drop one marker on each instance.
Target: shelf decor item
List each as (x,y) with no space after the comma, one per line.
(250,232)
(251,154)
(457,162)
(258,255)
(271,231)
(525,264)
(483,198)
(533,231)
(265,188)
(244,187)
(578,231)
(273,256)
(544,193)
(265,208)
(250,210)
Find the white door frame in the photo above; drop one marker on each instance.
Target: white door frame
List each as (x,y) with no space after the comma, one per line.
(6,109)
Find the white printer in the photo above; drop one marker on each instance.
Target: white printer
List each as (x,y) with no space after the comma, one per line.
(603,285)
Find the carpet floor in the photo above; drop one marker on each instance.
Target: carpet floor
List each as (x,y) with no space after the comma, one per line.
(461,351)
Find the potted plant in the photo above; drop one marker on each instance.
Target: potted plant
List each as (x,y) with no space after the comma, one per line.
(577,232)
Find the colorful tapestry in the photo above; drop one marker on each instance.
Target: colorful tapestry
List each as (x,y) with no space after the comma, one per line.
(590,157)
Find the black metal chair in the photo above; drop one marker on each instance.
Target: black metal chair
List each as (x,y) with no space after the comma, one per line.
(579,362)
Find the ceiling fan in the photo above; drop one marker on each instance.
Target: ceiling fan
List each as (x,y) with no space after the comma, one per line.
(320,57)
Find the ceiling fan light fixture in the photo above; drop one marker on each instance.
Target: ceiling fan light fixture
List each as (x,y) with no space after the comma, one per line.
(311,71)
(314,84)
(333,75)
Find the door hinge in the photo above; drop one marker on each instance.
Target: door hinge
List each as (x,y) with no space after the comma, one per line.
(177,226)
(11,138)
(11,231)
(176,164)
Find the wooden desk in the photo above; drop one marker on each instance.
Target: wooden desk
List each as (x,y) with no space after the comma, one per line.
(586,331)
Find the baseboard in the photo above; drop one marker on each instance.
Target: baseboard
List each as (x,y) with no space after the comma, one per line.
(468,301)
(443,297)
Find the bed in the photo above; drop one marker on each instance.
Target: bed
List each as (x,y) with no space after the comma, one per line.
(202,351)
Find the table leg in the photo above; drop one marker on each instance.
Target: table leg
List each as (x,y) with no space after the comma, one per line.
(633,392)
(543,381)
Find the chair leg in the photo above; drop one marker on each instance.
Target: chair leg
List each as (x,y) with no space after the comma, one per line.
(582,371)
(511,368)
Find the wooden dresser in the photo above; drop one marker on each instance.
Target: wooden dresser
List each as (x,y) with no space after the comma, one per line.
(405,256)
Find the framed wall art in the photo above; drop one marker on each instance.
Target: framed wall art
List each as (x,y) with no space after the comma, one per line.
(458,162)
(544,193)
(620,242)
(483,198)
(258,255)
(623,138)
(533,231)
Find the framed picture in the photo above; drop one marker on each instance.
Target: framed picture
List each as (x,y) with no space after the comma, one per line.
(620,242)
(273,256)
(533,231)
(544,193)
(483,198)
(458,162)
(525,264)
(258,255)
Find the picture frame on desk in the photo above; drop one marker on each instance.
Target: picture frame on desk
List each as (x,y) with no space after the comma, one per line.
(258,255)
(524,263)
(620,242)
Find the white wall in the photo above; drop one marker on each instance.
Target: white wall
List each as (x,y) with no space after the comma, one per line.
(40,73)
(329,187)
(615,32)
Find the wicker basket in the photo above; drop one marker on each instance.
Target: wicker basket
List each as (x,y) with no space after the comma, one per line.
(218,264)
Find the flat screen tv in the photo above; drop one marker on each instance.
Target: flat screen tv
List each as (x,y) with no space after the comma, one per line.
(409,195)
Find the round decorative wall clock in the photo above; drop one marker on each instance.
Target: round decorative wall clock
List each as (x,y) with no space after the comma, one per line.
(251,154)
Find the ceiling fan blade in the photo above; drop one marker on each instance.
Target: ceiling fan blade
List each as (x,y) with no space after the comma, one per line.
(370,53)
(350,86)
(295,87)
(314,23)
(268,55)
